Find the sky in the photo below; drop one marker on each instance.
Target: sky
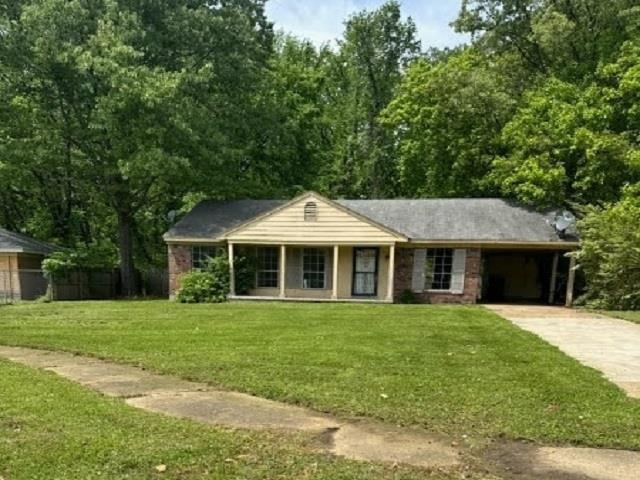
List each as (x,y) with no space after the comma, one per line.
(322,21)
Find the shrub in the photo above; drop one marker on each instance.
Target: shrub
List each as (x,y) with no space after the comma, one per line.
(610,253)
(407,296)
(212,284)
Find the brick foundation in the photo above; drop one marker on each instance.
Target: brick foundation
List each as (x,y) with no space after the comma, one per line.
(179,263)
(404,272)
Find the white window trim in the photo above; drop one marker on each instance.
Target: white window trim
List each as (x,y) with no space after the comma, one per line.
(324,270)
(451,291)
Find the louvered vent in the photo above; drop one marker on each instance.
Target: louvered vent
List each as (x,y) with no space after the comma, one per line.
(310,212)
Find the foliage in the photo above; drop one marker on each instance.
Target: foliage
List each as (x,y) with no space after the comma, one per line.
(59,264)
(610,253)
(447,117)
(376,49)
(407,297)
(210,285)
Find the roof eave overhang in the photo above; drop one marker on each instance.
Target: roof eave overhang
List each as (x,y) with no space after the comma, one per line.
(551,245)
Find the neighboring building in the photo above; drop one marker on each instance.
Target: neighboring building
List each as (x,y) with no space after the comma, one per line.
(431,250)
(21,266)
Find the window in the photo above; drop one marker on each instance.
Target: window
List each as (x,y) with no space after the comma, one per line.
(200,256)
(310,212)
(267,267)
(438,268)
(313,263)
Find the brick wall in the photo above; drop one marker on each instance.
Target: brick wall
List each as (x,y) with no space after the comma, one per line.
(179,263)
(404,272)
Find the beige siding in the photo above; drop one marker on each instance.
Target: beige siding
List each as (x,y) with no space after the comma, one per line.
(333,225)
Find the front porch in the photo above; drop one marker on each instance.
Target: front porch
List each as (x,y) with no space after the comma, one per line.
(316,272)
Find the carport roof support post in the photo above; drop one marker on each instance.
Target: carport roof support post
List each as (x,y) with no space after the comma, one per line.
(571,281)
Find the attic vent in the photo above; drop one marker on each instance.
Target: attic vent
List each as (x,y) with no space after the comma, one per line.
(310,212)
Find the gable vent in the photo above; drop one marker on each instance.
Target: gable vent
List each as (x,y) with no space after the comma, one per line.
(310,212)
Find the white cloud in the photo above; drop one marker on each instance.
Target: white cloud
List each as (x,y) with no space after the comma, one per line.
(323,21)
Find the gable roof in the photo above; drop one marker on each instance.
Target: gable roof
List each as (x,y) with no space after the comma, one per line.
(313,196)
(428,220)
(13,242)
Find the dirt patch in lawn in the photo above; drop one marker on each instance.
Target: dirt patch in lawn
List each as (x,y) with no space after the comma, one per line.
(525,461)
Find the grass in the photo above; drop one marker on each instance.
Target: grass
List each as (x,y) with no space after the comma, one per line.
(53,429)
(451,369)
(631,316)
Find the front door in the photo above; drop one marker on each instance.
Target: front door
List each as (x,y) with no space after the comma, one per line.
(365,272)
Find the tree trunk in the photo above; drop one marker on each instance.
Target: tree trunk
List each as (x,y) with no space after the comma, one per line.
(127,267)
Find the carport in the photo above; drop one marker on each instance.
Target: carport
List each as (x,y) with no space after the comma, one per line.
(527,276)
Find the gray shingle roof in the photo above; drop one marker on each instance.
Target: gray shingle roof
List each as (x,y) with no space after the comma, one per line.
(17,243)
(458,219)
(210,219)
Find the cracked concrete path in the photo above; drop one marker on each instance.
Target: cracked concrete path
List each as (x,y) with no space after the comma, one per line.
(604,343)
(357,440)
(195,401)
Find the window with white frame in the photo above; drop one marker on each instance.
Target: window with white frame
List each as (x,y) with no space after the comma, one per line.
(200,256)
(313,268)
(438,268)
(267,271)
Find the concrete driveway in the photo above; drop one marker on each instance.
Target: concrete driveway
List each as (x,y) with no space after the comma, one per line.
(606,344)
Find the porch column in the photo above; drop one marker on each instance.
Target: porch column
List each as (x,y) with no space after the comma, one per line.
(570,281)
(390,279)
(232,272)
(334,284)
(283,266)
(554,277)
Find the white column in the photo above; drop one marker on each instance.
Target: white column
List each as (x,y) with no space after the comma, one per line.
(334,293)
(554,276)
(283,266)
(390,277)
(570,281)
(232,272)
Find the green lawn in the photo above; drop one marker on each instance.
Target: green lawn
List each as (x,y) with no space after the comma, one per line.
(452,369)
(52,429)
(625,315)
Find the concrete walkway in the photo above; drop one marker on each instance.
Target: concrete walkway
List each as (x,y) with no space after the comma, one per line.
(365,441)
(606,344)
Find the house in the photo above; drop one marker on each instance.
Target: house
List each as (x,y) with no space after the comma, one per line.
(21,266)
(428,250)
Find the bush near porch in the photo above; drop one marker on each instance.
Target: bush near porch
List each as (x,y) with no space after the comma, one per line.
(452,369)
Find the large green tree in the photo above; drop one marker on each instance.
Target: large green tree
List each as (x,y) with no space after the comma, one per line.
(146,100)
(567,38)
(377,47)
(446,120)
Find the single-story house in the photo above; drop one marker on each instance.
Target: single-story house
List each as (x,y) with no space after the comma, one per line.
(427,250)
(21,266)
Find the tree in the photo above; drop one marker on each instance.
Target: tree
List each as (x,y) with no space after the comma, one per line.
(567,38)
(147,98)
(569,143)
(376,48)
(446,118)
(610,252)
